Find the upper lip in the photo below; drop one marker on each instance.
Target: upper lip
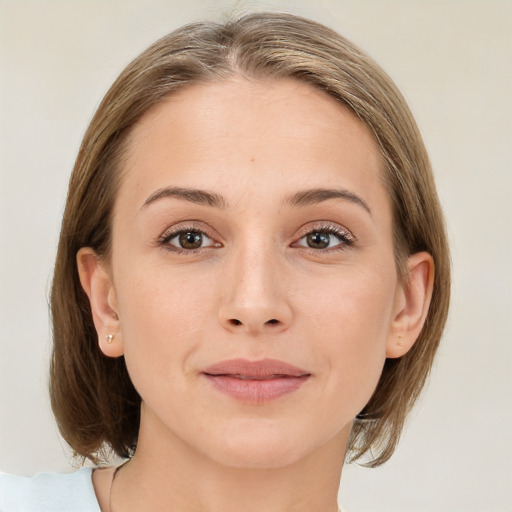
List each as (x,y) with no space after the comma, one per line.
(262,369)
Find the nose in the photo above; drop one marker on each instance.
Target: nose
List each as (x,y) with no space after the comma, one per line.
(256,295)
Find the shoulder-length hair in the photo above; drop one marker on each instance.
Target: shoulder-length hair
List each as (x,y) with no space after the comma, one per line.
(93,399)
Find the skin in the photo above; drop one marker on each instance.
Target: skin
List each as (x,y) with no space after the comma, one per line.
(254,289)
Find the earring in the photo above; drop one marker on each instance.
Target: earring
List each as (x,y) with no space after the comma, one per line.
(110,337)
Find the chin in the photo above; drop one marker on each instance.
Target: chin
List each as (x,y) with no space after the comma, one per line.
(262,446)
(256,456)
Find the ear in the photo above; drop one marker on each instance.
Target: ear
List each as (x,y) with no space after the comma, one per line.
(97,284)
(411,305)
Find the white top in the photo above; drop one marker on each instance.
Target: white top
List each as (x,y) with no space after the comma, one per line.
(48,492)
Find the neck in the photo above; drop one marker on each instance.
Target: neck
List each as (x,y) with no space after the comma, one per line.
(176,477)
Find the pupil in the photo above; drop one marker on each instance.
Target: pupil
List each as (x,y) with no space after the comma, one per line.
(191,240)
(318,240)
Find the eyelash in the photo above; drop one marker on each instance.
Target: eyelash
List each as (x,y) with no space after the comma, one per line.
(345,238)
(167,236)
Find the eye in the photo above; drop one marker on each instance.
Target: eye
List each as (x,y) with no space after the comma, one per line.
(326,238)
(187,240)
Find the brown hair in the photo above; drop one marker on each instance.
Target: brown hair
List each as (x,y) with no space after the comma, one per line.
(93,399)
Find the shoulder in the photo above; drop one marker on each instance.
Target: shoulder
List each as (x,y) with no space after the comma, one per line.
(48,492)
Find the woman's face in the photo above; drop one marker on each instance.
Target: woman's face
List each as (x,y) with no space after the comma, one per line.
(252,270)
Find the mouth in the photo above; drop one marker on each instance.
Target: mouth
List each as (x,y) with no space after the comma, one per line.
(255,382)
(251,377)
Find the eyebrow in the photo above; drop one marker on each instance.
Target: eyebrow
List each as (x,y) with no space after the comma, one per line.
(302,198)
(318,195)
(192,195)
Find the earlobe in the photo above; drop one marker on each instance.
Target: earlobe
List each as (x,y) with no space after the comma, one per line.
(98,286)
(412,303)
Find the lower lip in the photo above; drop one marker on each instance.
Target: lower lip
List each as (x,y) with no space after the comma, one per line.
(255,391)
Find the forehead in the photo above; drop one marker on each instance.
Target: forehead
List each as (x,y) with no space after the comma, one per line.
(250,133)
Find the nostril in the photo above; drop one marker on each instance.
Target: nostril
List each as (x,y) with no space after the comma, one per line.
(236,322)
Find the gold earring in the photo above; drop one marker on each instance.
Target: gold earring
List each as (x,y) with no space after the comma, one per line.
(110,337)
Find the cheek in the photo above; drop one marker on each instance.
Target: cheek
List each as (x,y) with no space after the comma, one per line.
(354,305)
(163,315)
(350,323)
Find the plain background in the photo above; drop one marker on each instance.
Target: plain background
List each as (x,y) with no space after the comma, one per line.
(453,62)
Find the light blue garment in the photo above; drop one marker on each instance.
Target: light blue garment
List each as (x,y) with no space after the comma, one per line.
(48,492)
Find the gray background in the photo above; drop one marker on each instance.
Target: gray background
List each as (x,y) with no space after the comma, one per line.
(453,62)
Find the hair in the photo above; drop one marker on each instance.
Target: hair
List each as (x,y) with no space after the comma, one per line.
(95,404)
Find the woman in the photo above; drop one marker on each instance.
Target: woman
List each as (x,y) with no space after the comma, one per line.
(252,276)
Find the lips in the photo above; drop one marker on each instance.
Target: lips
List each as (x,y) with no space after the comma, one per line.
(255,382)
